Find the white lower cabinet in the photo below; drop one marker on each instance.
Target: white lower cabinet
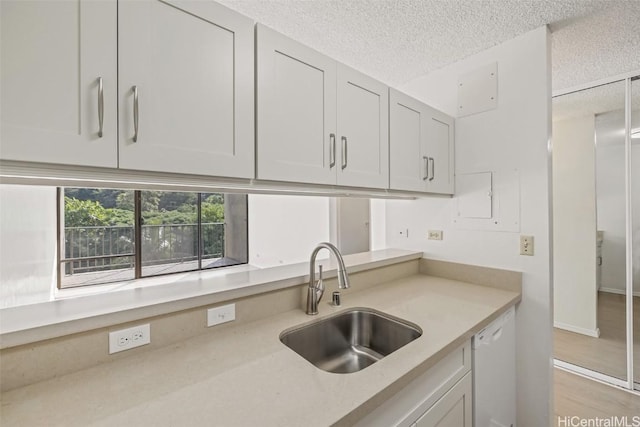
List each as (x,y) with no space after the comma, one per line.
(454,409)
(441,397)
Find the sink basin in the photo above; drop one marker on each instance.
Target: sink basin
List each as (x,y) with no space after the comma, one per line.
(351,340)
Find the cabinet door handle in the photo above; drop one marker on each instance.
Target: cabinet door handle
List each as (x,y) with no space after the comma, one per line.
(332,150)
(135,113)
(433,168)
(100,106)
(344,152)
(426,168)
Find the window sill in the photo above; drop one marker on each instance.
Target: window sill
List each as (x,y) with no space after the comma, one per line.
(74,312)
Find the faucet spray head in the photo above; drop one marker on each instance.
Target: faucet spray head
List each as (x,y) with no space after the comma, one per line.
(343,279)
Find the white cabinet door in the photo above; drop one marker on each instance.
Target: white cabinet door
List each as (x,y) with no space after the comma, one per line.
(191,63)
(440,152)
(421,146)
(296,111)
(407,134)
(54,55)
(422,393)
(363,130)
(454,409)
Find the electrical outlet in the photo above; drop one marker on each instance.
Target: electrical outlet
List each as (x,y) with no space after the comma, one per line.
(125,339)
(222,314)
(526,245)
(404,232)
(434,234)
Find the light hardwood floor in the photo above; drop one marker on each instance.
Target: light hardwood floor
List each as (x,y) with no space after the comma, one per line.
(576,396)
(606,354)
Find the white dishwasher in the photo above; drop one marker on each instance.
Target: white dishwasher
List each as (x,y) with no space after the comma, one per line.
(494,373)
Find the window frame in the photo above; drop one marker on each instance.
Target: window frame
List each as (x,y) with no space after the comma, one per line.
(137,243)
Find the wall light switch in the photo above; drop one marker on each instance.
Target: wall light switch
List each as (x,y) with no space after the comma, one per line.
(222,314)
(526,245)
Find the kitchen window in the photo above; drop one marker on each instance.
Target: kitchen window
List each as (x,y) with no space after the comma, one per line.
(109,235)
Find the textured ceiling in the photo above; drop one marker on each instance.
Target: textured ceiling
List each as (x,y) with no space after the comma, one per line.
(397,41)
(589,102)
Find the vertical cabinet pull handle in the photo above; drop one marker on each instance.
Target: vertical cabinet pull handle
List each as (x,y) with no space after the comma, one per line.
(433,168)
(100,107)
(135,113)
(426,168)
(332,150)
(344,152)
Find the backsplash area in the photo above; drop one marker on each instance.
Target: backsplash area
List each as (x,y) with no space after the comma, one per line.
(30,363)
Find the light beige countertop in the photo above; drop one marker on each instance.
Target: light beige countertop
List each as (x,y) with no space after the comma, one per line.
(153,296)
(244,376)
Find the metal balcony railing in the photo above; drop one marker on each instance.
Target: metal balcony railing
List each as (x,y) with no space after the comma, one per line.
(104,248)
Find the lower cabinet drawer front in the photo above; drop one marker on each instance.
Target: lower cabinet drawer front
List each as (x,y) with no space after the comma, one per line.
(454,409)
(406,406)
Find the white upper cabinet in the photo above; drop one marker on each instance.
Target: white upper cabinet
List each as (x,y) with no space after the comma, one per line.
(440,152)
(421,146)
(180,85)
(318,121)
(186,88)
(296,111)
(363,130)
(59,82)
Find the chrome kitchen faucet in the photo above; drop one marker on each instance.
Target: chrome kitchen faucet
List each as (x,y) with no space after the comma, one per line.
(316,290)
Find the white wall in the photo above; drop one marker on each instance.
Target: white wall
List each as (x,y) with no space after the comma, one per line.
(378,218)
(514,136)
(286,229)
(27,244)
(574,222)
(350,223)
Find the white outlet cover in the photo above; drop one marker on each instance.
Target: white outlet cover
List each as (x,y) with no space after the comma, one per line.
(129,338)
(222,314)
(434,234)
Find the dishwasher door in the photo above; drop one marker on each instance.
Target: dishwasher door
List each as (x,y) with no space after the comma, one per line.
(494,373)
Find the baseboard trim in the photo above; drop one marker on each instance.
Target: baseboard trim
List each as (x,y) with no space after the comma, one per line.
(618,291)
(584,331)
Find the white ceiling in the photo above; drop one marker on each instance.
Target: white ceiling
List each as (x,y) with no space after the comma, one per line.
(592,102)
(397,41)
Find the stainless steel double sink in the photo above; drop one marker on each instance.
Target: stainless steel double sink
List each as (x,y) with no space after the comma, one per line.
(351,340)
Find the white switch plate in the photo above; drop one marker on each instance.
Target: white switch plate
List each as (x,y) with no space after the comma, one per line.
(434,234)
(222,314)
(129,338)
(526,245)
